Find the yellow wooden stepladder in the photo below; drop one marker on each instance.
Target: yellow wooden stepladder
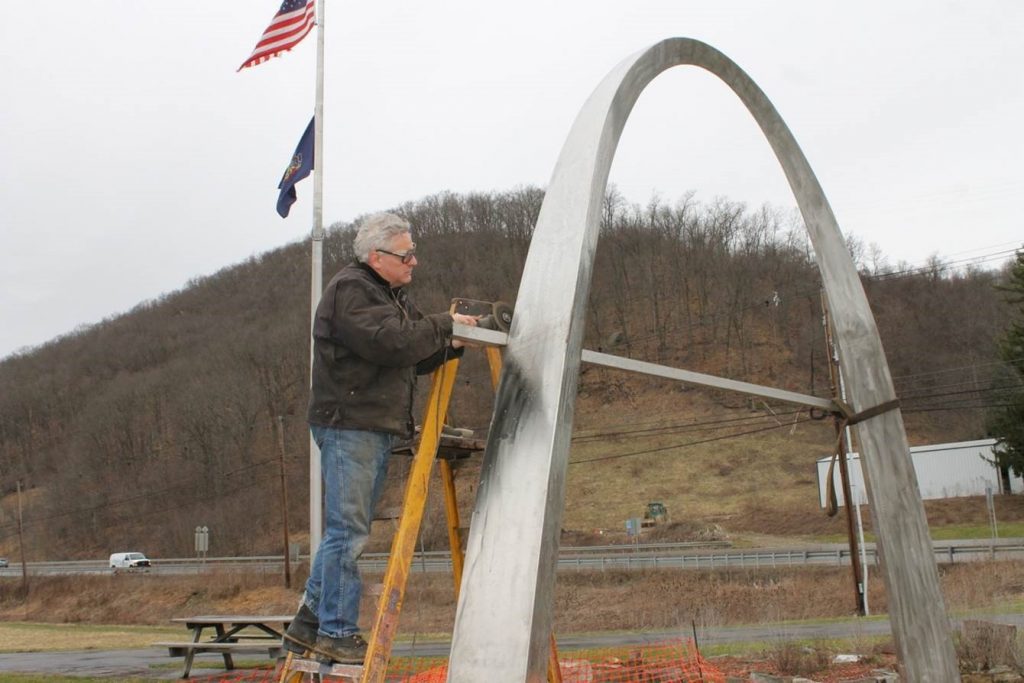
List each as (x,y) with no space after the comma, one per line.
(389,606)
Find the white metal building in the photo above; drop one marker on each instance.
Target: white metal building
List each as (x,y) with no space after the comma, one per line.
(945,470)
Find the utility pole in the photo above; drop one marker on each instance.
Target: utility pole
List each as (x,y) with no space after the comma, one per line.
(859,585)
(284,504)
(993,525)
(855,501)
(21,543)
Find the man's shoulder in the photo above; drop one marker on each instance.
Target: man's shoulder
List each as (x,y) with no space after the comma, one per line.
(351,274)
(355,285)
(354,269)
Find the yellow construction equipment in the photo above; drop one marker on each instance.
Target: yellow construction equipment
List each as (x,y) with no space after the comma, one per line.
(656,513)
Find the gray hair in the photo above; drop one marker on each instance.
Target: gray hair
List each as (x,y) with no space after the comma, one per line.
(376,232)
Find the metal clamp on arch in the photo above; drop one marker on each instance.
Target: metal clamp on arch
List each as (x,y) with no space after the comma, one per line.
(845,413)
(847,417)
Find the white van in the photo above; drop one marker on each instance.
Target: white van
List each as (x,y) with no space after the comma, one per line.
(129,561)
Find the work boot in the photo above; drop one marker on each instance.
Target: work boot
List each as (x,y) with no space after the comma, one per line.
(348,650)
(301,633)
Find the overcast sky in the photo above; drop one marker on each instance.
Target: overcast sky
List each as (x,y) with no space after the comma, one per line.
(136,158)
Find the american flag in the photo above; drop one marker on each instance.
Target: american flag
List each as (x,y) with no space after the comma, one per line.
(290,25)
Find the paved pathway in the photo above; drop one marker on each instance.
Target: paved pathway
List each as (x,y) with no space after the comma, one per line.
(113,664)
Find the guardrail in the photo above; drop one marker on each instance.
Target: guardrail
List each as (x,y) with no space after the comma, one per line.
(600,558)
(574,560)
(641,547)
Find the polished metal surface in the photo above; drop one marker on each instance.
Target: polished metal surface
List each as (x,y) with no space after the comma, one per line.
(701,379)
(503,621)
(483,337)
(479,336)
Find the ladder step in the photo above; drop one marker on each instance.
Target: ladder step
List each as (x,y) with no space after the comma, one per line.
(351,672)
(450,446)
(458,432)
(465,443)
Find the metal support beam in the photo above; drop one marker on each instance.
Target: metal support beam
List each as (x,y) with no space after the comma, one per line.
(491,338)
(503,620)
(699,378)
(479,335)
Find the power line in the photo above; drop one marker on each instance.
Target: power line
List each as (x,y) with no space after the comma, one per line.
(690,443)
(957,406)
(769,428)
(985,406)
(943,371)
(707,425)
(940,266)
(680,427)
(946,394)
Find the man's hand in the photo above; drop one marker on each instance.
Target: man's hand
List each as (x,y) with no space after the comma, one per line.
(462,320)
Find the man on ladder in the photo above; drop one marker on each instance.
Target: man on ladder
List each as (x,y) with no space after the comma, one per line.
(370,343)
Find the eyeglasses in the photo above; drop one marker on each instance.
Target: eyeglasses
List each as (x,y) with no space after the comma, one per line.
(407,257)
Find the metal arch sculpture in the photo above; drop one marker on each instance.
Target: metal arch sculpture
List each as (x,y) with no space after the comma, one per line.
(503,620)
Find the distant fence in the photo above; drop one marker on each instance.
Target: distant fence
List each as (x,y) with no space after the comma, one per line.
(774,558)
(713,555)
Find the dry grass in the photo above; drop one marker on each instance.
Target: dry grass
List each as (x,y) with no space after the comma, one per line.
(584,601)
(754,489)
(793,659)
(758,489)
(983,646)
(720,483)
(142,598)
(970,586)
(710,482)
(22,637)
(596,601)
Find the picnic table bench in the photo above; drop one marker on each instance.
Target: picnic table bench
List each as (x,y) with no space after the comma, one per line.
(231,633)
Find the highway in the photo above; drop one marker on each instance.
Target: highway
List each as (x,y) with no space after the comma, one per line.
(718,555)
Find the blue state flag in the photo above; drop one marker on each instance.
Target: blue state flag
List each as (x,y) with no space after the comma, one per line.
(300,166)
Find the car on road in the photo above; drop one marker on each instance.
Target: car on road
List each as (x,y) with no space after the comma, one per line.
(130,561)
(4,562)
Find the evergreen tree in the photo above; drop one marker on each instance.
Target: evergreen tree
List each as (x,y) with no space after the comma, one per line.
(1006,423)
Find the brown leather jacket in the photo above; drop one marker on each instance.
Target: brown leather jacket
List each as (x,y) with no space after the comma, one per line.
(369,343)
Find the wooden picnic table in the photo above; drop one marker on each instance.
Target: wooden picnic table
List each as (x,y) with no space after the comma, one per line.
(226,634)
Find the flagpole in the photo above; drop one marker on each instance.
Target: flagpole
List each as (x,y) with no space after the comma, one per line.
(316,271)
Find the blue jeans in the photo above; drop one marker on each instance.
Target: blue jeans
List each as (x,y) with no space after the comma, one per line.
(354,465)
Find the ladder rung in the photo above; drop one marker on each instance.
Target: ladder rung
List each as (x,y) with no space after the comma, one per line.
(462,443)
(449,447)
(351,672)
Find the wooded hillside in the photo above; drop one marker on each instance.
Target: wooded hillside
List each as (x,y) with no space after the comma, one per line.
(131,432)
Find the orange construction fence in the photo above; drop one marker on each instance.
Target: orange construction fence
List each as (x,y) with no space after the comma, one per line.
(674,661)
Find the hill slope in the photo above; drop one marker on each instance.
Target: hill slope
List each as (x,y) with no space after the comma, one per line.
(132,432)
